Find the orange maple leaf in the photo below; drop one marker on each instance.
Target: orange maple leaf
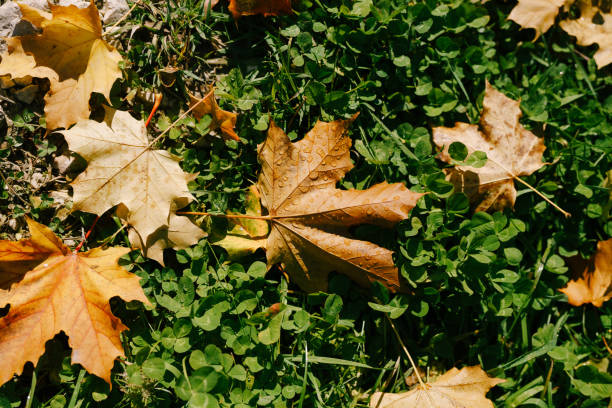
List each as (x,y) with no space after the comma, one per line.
(240,8)
(67,292)
(594,285)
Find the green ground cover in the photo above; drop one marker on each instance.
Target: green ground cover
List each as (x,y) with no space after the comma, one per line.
(485,285)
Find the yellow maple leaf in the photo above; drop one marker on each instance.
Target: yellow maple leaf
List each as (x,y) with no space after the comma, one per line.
(71,53)
(455,388)
(67,292)
(123,169)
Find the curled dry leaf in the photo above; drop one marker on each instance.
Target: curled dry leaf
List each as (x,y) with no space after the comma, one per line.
(71,53)
(123,169)
(594,26)
(310,217)
(180,233)
(594,283)
(223,120)
(512,151)
(240,8)
(455,388)
(588,32)
(63,291)
(246,235)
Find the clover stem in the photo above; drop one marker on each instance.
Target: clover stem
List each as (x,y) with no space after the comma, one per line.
(250,217)
(78,248)
(158,99)
(399,338)
(548,200)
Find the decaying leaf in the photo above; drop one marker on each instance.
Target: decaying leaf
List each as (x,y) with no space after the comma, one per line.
(594,284)
(124,169)
(71,53)
(246,235)
(222,120)
(512,151)
(455,388)
(588,32)
(310,218)
(594,26)
(67,292)
(240,8)
(180,233)
(537,14)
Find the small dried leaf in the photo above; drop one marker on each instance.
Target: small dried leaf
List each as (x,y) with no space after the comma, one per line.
(180,233)
(223,120)
(455,388)
(240,8)
(512,151)
(246,235)
(594,284)
(67,292)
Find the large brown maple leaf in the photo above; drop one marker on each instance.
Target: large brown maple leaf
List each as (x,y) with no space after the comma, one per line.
(63,291)
(71,53)
(310,218)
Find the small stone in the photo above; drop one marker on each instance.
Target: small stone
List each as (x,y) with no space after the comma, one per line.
(78,3)
(63,162)
(113,10)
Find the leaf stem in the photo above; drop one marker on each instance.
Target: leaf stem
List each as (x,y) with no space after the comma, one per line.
(158,99)
(414,366)
(78,248)
(548,200)
(250,217)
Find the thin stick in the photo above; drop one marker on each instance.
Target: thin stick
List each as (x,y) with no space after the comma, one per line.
(86,235)
(606,344)
(250,217)
(565,213)
(414,366)
(158,99)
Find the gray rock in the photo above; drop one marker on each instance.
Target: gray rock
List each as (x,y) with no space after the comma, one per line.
(10,19)
(113,10)
(78,3)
